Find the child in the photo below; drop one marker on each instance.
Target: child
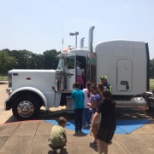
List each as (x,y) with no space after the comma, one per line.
(95,101)
(100,88)
(108,122)
(78,98)
(80,75)
(87,99)
(58,137)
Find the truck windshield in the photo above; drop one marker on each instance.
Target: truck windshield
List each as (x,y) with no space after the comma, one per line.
(60,63)
(66,62)
(70,62)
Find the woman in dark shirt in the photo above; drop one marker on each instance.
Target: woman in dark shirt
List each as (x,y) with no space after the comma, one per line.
(107,124)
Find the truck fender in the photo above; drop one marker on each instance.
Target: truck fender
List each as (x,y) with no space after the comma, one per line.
(30,89)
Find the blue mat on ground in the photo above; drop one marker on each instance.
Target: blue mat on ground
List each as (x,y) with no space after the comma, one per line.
(123,126)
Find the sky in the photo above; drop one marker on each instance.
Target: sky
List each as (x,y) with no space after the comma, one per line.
(40,25)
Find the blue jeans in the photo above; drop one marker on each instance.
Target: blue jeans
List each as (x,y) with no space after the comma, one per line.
(86,116)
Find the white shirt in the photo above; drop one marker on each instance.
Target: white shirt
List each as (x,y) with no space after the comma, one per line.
(86,98)
(79,71)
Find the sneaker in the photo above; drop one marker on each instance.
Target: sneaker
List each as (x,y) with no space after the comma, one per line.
(89,124)
(84,126)
(77,133)
(93,144)
(80,133)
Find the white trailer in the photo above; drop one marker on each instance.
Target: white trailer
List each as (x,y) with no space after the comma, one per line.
(125,63)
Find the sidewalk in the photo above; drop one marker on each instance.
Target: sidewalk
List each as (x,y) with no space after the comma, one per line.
(30,137)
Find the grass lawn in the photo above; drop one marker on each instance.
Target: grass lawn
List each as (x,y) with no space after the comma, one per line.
(3,78)
(151,84)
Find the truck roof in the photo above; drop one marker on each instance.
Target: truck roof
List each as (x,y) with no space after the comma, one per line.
(79,52)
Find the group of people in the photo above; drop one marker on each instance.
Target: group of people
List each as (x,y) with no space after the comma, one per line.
(96,98)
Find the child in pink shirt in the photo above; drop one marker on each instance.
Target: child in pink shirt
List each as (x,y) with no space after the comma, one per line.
(87,99)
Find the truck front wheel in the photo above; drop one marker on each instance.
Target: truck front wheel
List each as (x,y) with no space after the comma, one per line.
(151,103)
(26,108)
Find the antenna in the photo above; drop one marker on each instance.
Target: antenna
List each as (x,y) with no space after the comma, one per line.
(62,44)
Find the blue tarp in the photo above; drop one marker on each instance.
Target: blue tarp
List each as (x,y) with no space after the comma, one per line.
(123,126)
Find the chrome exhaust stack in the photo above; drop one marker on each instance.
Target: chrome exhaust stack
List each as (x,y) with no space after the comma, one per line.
(82,43)
(91,39)
(91,58)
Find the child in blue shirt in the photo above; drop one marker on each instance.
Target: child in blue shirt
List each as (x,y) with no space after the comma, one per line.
(78,98)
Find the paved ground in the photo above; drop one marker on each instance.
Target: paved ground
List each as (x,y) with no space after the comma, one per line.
(31,136)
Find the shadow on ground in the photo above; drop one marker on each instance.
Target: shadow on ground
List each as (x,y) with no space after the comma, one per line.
(54,115)
(59,152)
(119,115)
(11,119)
(47,115)
(135,115)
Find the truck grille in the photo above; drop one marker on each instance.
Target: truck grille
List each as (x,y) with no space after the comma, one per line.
(10,79)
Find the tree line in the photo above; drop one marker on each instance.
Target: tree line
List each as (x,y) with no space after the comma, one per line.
(151,69)
(24,59)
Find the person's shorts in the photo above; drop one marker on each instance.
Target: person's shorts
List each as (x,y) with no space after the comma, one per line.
(105,135)
(98,119)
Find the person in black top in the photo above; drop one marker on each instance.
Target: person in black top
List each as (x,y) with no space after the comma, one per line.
(107,124)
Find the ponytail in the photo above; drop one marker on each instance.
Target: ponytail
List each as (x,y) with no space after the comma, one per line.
(88,84)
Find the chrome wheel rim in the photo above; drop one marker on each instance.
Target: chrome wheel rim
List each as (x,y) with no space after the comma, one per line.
(25,109)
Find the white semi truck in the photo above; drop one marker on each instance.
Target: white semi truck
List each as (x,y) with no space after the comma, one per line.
(126,63)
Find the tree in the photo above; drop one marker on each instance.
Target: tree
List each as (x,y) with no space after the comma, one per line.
(23,59)
(7,62)
(49,59)
(152,68)
(36,61)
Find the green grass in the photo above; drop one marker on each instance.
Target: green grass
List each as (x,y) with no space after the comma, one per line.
(3,78)
(151,84)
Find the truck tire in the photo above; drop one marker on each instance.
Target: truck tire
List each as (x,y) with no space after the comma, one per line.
(151,104)
(146,97)
(26,108)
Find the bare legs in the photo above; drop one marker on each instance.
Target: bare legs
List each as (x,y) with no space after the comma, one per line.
(94,130)
(102,147)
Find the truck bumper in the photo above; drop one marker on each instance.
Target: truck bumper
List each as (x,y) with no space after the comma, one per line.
(6,105)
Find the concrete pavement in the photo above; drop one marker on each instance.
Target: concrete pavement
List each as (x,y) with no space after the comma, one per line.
(30,137)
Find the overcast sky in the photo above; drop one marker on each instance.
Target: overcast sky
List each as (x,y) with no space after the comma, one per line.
(40,25)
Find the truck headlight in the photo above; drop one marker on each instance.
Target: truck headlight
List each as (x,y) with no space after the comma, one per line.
(9,91)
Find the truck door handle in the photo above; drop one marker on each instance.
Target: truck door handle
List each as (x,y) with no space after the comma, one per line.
(70,74)
(127,87)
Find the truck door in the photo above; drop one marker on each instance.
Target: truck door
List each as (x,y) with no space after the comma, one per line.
(124,75)
(71,71)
